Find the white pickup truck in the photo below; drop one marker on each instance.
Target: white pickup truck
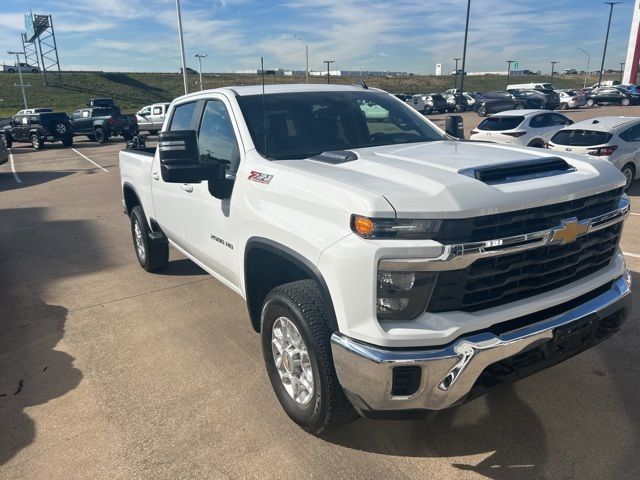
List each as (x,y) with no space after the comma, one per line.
(151,117)
(390,268)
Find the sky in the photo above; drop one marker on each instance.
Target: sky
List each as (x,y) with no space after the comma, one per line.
(398,35)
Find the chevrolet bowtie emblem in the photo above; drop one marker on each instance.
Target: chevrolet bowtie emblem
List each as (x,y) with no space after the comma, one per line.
(569,231)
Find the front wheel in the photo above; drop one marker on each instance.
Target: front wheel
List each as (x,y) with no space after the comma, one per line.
(590,103)
(629,172)
(518,106)
(482,110)
(296,345)
(6,140)
(625,102)
(564,106)
(36,141)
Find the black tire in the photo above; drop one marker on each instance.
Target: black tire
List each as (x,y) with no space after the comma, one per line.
(36,141)
(6,140)
(11,70)
(564,106)
(91,138)
(537,143)
(156,251)
(482,111)
(35,71)
(629,172)
(100,135)
(518,106)
(302,303)
(67,141)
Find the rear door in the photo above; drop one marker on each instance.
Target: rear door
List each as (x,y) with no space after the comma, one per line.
(629,148)
(82,122)
(168,198)
(157,117)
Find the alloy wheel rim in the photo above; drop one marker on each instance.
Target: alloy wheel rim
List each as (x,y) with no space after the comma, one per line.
(292,361)
(60,128)
(139,241)
(628,174)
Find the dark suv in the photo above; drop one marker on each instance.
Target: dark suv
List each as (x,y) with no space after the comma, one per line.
(99,123)
(39,128)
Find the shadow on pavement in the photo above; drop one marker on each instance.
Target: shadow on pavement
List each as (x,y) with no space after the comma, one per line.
(29,179)
(181,268)
(32,371)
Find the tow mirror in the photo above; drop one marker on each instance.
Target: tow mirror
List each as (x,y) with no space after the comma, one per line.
(180,159)
(454,126)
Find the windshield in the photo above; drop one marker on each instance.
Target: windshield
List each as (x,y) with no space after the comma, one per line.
(581,138)
(301,125)
(497,123)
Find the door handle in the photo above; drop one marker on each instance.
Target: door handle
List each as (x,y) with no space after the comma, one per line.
(186,187)
(155,176)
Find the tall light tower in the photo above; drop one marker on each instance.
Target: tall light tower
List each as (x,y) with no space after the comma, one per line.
(509,62)
(184,65)
(633,50)
(553,68)
(464,58)
(329,62)
(200,56)
(586,73)
(606,38)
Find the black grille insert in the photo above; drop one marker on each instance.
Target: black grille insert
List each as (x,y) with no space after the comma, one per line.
(494,281)
(501,225)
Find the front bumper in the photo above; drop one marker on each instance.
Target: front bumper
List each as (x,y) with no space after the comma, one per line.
(465,368)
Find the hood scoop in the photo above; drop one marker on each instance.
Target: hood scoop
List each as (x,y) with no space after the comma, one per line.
(335,157)
(519,171)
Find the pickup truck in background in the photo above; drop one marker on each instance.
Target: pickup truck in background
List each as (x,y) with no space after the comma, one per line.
(151,117)
(20,67)
(389,268)
(102,122)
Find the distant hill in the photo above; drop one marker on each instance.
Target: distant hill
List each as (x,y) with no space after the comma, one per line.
(134,90)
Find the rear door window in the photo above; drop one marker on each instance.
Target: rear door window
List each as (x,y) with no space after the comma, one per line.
(632,134)
(183,117)
(500,123)
(157,110)
(581,138)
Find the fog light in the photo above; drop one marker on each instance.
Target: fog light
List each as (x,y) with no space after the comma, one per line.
(396,280)
(392,305)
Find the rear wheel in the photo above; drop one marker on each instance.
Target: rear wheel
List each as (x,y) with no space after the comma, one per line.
(11,70)
(152,254)
(590,102)
(34,70)
(296,345)
(67,141)
(564,106)
(625,102)
(482,110)
(6,140)
(91,137)
(36,141)
(537,143)
(518,106)
(100,135)
(629,172)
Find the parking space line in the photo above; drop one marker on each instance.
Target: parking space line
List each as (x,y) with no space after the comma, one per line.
(636,214)
(13,168)
(89,160)
(632,255)
(49,160)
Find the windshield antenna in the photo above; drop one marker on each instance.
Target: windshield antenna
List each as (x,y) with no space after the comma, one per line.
(264,111)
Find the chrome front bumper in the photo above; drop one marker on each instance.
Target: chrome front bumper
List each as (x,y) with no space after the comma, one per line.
(449,373)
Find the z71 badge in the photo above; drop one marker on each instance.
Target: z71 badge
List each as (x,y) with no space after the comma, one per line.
(260,177)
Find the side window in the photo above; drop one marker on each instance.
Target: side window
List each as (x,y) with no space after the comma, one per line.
(557,120)
(216,139)
(631,134)
(86,113)
(24,120)
(33,119)
(145,111)
(157,111)
(182,117)
(539,121)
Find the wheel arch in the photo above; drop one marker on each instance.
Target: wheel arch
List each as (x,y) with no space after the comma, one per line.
(131,197)
(283,265)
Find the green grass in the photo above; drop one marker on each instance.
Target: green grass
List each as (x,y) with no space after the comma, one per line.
(131,91)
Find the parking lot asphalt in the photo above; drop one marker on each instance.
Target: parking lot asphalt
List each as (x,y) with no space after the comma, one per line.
(107,371)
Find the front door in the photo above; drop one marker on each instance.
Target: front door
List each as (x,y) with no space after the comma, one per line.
(210,223)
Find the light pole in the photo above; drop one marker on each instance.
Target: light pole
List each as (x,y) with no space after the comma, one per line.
(306,51)
(553,68)
(22,85)
(509,62)
(586,73)
(606,38)
(456,75)
(200,56)
(184,65)
(621,70)
(464,56)
(328,62)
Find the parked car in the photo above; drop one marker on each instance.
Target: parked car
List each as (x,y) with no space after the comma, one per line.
(151,117)
(532,128)
(417,102)
(38,128)
(615,139)
(434,102)
(631,88)
(388,269)
(22,67)
(571,99)
(611,96)
(99,124)
(605,83)
(493,102)
(34,110)
(4,153)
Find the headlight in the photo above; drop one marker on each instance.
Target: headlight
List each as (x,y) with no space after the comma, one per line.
(399,228)
(403,295)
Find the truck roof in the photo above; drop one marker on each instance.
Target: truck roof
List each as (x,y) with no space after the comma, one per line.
(281,88)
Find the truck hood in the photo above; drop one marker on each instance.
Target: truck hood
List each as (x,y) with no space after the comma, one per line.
(427,180)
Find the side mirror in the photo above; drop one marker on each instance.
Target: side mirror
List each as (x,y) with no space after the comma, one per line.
(180,159)
(454,126)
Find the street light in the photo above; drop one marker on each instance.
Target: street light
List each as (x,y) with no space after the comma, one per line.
(553,68)
(184,65)
(456,75)
(22,85)
(606,38)
(306,51)
(586,73)
(509,62)
(621,70)
(200,56)
(328,62)
(464,55)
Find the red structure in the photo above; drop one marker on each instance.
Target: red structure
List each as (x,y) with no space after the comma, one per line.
(633,52)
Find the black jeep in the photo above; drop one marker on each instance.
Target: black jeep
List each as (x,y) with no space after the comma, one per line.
(38,128)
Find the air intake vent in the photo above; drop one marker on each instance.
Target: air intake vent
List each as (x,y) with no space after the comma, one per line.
(519,171)
(406,380)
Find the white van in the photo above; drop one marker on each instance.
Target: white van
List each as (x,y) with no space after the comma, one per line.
(541,87)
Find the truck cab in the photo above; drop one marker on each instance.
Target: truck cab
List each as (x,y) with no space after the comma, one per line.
(151,117)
